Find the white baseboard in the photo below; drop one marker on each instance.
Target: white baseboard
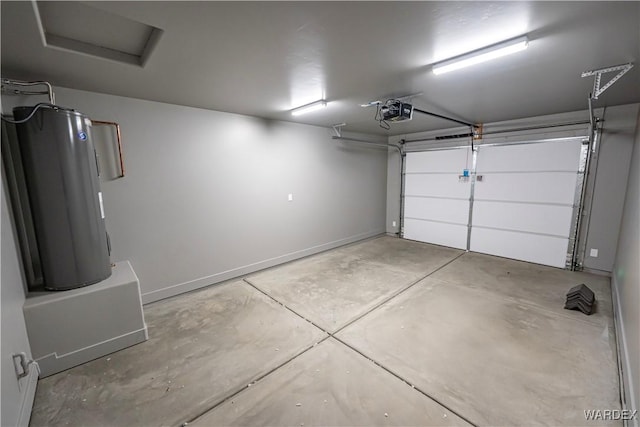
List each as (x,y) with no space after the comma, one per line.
(597,272)
(627,391)
(30,393)
(202,282)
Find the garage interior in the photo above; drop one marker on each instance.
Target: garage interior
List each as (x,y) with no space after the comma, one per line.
(400,255)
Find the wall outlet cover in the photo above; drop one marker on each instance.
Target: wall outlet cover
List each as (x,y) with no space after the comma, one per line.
(593,253)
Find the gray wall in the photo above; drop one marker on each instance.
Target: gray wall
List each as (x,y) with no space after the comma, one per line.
(626,282)
(614,158)
(205,197)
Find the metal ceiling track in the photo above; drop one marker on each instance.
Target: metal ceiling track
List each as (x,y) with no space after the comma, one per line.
(372,143)
(495,132)
(475,130)
(440,116)
(599,90)
(337,128)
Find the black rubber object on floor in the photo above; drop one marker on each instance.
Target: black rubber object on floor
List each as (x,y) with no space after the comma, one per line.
(581,298)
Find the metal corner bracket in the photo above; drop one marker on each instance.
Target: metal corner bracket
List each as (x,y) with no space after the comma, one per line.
(597,89)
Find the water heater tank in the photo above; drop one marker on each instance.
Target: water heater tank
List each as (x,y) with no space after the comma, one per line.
(61,174)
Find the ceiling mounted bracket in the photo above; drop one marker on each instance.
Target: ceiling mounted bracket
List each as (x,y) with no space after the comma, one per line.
(597,89)
(477,131)
(337,128)
(397,98)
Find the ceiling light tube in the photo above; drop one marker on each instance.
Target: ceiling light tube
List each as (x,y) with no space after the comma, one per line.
(309,108)
(481,55)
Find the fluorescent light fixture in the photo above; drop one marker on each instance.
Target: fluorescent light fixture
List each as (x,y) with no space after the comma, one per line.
(309,108)
(482,55)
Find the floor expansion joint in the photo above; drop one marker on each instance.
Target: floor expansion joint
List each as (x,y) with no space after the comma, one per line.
(418,389)
(333,335)
(394,295)
(284,305)
(259,378)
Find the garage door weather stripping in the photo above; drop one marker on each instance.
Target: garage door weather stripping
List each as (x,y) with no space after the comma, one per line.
(482,55)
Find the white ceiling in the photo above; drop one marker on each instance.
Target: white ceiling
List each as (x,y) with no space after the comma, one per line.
(264,58)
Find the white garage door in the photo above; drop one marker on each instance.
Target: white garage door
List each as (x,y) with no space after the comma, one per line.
(523,199)
(436,201)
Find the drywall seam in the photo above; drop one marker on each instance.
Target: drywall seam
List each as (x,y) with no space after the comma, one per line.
(202,282)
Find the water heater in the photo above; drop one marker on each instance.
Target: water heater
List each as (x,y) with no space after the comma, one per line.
(61,174)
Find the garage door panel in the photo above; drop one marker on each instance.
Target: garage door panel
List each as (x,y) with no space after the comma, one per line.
(453,161)
(451,235)
(533,218)
(534,248)
(447,210)
(549,187)
(436,185)
(549,156)
(522,202)
(436,203)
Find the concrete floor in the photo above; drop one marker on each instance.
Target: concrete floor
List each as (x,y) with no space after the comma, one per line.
(383,332)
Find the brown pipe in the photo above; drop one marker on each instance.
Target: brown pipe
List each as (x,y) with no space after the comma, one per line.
(119,139)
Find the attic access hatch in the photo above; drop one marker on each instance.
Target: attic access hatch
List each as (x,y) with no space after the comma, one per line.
(84,29)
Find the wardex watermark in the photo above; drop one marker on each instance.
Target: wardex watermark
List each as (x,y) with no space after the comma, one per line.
(610,414)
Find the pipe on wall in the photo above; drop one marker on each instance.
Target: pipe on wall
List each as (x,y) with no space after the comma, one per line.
(49,91)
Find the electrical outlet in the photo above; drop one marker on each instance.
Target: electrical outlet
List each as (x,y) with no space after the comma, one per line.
(593,253)
(393,224)
(290,198)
